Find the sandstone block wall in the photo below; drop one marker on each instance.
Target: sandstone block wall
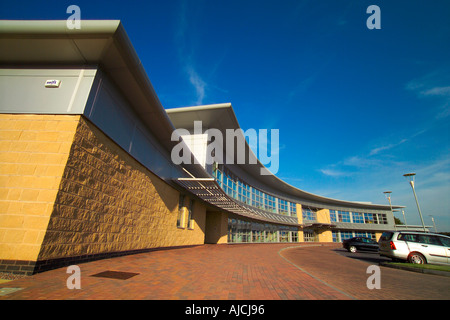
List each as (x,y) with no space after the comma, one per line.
(67,190)
(109,202)
(33,153)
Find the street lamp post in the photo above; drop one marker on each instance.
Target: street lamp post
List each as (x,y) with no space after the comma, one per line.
(434,224)
(404,219)
(388,196)
(410,177)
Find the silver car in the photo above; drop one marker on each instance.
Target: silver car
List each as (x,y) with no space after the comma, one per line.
(415,247)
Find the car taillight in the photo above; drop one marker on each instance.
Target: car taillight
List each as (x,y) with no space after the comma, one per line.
(392,245)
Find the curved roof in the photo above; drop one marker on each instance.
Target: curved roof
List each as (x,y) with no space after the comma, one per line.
(222,117)
(105,43)
(98,42)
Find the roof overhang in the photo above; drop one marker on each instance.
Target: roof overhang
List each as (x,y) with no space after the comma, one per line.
(103,43)
(209,191)
(319,225)
(222,117)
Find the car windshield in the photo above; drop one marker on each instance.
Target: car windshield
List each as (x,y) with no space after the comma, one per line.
(386,236)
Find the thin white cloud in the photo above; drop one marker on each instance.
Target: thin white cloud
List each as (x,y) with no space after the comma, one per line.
(434,85)
(437,91)
(334,173)
(444,111)
(186,51)
(386,147)
(197,82)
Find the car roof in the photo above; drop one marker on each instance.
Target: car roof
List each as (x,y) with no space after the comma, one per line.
(422,232)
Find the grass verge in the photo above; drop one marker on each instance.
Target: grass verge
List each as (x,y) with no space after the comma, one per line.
(421,266)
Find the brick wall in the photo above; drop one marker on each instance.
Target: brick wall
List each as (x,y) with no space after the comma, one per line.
(33,152)
(108,202)
(68,193)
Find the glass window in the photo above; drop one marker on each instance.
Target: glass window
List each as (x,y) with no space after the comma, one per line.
(309,235)
(283,207)
(357,217)
(386,236)
(382,219)
(333,217)
(336,236)
(190,221)
(241,191)
(258,199)
(360,234)
(429,239)
(344,216)
(293,209)
(180,211)
(294,236)
(308,214)
(244,231)
(346,235)
(370,218)
(284,236)
(270,203)
(445,241)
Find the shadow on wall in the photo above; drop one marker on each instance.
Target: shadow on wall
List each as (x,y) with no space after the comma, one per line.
(109,202)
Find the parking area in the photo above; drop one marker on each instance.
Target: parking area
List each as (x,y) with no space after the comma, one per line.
(232,272)
(366,256)
(348,272)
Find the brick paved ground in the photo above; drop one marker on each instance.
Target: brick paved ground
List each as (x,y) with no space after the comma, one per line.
(349,275)
(204,272)
(230,272)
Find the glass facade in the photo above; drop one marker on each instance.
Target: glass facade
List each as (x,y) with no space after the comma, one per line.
(339,235)
(343,216)
(243,192)
(358,217)
(309,236)
(240,231)
(309,215)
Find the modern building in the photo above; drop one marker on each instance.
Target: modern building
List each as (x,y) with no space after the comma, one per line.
(86,169)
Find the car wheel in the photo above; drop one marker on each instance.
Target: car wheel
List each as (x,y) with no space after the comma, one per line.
(352,249)
(416,258)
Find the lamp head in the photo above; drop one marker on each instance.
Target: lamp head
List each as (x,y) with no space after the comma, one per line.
(410,176)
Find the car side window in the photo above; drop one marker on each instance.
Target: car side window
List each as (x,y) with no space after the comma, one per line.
(445,241)
(427,239)
(408,237)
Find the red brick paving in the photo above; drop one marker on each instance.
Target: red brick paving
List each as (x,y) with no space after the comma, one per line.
(219,272)
(227,272)
(349,275)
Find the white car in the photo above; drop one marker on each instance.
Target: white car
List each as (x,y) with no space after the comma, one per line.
(415,247)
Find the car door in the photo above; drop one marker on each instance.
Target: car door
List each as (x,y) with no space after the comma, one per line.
(364,244)
(446,243)
(372,245)
(358,243)
(433,250)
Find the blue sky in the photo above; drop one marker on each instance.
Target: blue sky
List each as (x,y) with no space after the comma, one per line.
(356,108)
